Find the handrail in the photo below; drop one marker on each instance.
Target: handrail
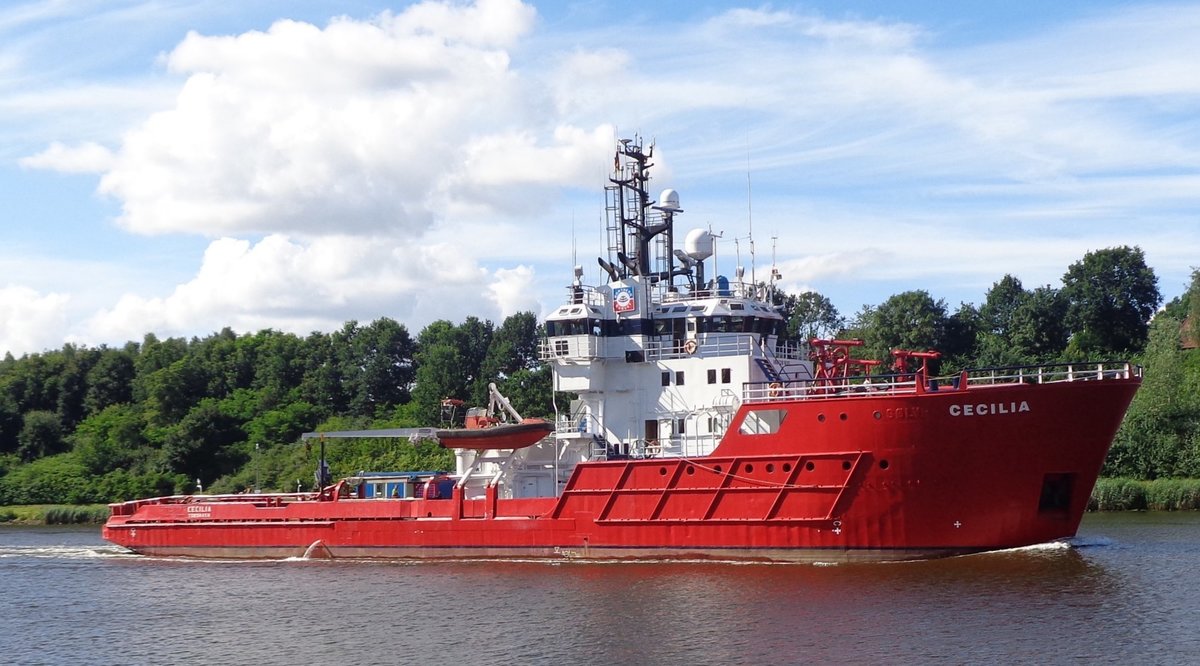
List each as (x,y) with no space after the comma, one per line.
(903,384)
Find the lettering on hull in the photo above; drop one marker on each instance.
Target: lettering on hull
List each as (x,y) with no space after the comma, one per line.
(904,413)
(990,408)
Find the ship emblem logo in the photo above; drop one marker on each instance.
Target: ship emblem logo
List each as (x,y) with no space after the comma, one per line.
(623,300)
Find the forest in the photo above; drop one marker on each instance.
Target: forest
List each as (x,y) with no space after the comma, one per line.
(224,413)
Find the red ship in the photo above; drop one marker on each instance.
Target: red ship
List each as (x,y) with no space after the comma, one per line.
(698,432)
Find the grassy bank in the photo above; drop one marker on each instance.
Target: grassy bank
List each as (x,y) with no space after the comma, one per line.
(54,514)
(1134,495)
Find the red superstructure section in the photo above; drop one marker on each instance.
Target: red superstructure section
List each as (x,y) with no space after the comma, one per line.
(825,472)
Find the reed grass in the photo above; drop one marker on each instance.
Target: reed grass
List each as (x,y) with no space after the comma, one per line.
(1133,495)
(87,514)
(54,514)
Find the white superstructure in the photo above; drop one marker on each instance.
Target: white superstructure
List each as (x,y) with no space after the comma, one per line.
(657,357)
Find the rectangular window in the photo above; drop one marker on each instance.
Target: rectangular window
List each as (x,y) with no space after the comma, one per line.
(762,421)
(726,375)
(666,378)
(679,377)
(712,376)
(679,429)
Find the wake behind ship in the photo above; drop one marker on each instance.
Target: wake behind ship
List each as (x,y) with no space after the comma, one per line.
(699,432)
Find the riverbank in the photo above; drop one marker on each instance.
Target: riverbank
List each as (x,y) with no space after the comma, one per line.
(1135,495)
(54,514)
(1108,495)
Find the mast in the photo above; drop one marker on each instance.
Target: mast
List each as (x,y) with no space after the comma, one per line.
(632,229)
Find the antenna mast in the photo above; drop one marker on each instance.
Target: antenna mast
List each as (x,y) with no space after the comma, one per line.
(750,212)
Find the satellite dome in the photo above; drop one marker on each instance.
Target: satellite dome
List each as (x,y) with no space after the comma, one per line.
(669,200)
(698,244)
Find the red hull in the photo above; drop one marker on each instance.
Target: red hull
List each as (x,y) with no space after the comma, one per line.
(874,478)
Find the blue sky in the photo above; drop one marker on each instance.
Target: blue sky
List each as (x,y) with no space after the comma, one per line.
(178,167)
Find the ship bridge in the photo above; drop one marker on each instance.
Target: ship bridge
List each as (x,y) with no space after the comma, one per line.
(658,355)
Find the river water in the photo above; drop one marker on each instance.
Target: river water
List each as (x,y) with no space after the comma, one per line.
(1126,590)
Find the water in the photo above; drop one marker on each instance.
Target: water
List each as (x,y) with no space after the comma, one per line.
(1125,591)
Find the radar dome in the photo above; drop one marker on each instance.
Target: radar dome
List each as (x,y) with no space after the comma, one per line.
(669,200)
(698,244)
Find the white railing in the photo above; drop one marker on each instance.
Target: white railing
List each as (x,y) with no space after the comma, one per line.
(1049,374)
(883,385)
(573,347)
(592,347)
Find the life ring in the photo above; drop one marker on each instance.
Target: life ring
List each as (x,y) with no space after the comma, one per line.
(775,389)
(690,346)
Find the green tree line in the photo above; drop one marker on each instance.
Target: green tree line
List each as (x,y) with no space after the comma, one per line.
(226,411)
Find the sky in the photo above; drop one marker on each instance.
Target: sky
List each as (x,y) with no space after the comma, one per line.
(178,167)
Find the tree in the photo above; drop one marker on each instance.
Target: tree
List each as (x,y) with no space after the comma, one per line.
(961,336)
(1111,295)
(170,392)
(381,366)
(41,435)
(910,320)
(110,439)
(530,392)
(10,423)
(279,369)
(109,381)
(473,337)
(1186,308)
(200,445)
(152,356)
(994,346)
(72,384)
(809,315)
(440,371)
(322,382)
(1160,436)
(1038,329)
(513,348)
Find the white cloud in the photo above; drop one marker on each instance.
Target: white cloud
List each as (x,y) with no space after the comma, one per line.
(483,23)
(87,157)
(513,291)
(299,286)
(414,164)
(33,322)
(362,127)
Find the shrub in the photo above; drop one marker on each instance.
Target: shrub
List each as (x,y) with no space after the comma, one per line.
(76,515)
(1157,495)
(1118,495)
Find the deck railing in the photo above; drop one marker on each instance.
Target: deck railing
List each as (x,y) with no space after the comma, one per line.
(900,384)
